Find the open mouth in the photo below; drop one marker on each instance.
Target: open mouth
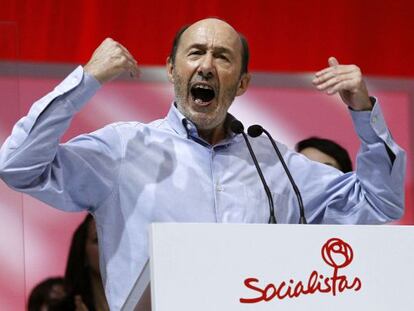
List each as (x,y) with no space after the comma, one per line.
(202,93)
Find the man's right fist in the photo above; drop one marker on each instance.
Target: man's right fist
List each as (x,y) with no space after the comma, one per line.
(109,60)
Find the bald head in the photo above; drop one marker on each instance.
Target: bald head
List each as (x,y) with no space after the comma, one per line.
(213,22)
(213,25)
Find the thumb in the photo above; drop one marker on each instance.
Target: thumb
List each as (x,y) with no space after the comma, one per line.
(332,61)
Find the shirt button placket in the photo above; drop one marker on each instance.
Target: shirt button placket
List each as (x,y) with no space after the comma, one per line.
(216,186)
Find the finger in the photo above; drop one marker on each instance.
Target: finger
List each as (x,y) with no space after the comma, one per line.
(132,68)
(117,49)
(121,53)
(329,69)
(136,74)
(127,53)
(124,48)
(129,57)
(332,72)
(123,61)
(335,80)
(105,43)
(342,86)
(332,61)
(332,64)
(323,71)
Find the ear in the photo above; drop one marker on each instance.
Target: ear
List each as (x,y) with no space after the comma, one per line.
(243,84)
(170,68)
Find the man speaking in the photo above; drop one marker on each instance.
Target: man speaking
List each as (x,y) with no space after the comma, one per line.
(189,167)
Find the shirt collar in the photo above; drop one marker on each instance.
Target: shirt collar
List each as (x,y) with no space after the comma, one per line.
(185,127)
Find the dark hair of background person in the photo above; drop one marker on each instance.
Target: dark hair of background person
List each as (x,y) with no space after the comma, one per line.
(77,275)
(330,148)
(41,296)
(245,48)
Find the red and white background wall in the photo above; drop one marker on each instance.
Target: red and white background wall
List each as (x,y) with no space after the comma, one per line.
(42,41)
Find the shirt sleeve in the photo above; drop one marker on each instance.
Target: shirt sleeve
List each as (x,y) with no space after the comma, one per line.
(373,194)
(73,176)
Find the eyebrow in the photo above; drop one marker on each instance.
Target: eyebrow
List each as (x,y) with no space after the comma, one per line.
(217,49)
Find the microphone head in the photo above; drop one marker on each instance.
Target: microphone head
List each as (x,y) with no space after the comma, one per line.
(236,126)
(255,130)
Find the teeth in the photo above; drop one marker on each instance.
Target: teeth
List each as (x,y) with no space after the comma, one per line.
(198,101)
(202,86)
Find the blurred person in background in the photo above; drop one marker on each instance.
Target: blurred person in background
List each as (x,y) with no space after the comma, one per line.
(47,294)
(82,276)
(325,151)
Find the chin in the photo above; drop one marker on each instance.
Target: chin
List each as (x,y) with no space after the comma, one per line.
(204,120)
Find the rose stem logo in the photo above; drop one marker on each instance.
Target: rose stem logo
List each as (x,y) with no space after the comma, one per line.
(336,253)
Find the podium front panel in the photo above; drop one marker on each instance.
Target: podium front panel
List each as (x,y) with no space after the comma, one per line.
(240,267)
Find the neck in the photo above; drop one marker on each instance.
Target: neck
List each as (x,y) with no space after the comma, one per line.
(213,136)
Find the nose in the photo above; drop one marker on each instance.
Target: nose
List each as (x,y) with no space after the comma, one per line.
(206,68)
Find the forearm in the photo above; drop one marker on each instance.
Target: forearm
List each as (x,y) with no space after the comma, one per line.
(373,194)
(380,164)
(34,140)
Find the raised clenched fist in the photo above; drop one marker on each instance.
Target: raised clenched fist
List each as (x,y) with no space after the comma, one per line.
(109,60)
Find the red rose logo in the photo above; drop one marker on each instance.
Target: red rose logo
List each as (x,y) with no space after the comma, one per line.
(337,253)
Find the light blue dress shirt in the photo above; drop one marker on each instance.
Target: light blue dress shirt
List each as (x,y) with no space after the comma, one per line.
(131,174)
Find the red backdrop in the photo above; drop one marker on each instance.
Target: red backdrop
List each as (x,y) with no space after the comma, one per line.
(283,35)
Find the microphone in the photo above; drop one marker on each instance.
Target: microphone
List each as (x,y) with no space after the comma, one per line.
(257,130)
(237,127)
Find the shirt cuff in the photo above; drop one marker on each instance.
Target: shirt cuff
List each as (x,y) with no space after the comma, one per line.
(370,125)
(79,87)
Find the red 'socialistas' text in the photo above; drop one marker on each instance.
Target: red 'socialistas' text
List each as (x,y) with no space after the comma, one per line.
(336,253)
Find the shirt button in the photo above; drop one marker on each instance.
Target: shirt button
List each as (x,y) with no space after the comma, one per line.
(374,119)
(219,188)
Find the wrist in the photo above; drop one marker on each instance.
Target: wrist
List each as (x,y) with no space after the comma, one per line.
(366,105)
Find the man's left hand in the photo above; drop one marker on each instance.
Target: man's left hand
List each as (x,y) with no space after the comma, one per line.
(345,80)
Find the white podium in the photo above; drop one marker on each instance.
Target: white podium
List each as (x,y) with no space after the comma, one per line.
(215,267)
